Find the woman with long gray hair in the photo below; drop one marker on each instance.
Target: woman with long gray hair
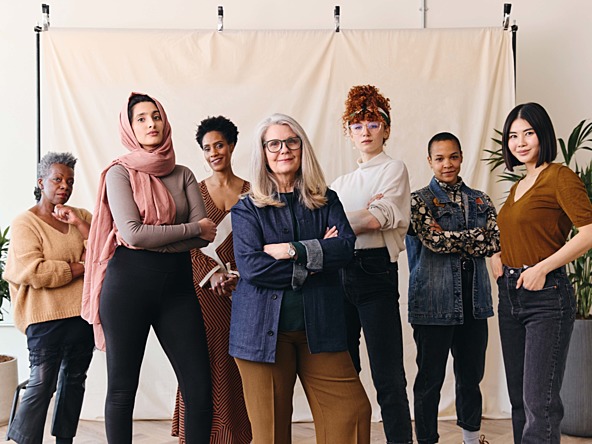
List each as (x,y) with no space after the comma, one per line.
(291,236)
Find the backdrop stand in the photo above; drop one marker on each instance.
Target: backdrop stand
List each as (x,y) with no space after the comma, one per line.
(39,28)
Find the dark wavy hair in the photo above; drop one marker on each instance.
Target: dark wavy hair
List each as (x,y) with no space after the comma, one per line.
(220,124)
(541,123)
(134,100)
(45,164)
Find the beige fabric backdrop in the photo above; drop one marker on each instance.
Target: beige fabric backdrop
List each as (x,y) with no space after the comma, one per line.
(458,80)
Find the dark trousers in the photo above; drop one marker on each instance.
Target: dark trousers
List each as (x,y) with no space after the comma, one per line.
(372,303)
(144,289)
(467,343)
(63,366)
(535,329)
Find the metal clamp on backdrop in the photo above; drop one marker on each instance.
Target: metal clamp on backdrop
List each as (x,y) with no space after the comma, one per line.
(220,18)
(506,20)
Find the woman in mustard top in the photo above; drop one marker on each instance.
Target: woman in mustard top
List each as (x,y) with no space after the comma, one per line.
(536,301)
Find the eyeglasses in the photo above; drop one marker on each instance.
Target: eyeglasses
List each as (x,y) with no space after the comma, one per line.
(275,145)
(357,128)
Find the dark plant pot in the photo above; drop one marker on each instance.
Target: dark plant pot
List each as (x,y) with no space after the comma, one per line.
(576,391)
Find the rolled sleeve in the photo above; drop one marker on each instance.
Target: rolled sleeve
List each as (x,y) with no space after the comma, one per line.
(314,254)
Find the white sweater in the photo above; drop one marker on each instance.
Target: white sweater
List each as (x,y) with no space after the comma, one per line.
(381,174)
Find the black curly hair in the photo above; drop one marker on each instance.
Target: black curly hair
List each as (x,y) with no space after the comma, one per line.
(220,124)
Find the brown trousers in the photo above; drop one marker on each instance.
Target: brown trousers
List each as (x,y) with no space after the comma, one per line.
(340,408)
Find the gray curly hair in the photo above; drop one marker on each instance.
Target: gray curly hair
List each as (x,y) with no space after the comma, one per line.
(45,164)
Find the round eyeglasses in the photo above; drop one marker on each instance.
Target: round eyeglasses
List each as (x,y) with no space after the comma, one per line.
(357,128)
(275,145)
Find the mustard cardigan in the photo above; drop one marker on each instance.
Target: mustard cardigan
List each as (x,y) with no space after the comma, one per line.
(38,270)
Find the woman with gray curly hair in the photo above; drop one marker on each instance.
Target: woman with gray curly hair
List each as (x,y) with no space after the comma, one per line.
(44,270)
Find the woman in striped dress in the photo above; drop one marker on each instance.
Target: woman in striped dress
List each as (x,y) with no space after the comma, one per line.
(214,278)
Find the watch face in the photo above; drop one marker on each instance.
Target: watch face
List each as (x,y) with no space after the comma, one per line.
(291,250)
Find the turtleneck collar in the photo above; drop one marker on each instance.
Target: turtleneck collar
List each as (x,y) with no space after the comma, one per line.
(376,160)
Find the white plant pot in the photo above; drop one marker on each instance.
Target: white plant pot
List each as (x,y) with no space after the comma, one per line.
(8,383)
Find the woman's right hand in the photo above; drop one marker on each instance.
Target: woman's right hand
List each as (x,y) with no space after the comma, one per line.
(208,229)
(496,265)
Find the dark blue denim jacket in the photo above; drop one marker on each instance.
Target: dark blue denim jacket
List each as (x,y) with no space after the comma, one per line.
(435,288)
(258,296)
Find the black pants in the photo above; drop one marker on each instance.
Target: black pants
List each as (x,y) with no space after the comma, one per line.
(144,289)
(371,284)
(468,343)
(60,360)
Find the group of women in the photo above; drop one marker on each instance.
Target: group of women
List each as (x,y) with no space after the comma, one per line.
(287,272)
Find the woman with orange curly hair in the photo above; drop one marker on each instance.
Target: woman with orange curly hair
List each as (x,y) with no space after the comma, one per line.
(376,198)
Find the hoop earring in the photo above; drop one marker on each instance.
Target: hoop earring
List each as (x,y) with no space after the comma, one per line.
(207,169)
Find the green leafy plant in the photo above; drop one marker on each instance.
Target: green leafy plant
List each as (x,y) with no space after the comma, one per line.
(4,293)
(580,139)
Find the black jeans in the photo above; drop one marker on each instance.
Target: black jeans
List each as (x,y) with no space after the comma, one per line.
(64,366)
(144,289)
(372,303)
(535,329)
(468,343)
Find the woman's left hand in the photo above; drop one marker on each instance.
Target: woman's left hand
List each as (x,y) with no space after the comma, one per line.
(223,284)
(373,198)
(65,214)
(331,232)
(533,278)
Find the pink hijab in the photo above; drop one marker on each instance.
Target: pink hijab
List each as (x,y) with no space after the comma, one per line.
(155,203)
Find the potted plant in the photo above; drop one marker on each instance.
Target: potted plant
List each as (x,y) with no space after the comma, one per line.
(4,293)
(576,391)
(8,364)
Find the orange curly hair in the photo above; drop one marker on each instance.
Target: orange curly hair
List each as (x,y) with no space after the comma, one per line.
(364,102)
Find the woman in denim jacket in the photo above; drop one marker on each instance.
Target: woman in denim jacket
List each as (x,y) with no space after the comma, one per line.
(291,237)
(453,229)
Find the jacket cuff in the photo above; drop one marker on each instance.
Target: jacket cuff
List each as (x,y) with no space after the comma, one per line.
(299,275)
(314,254)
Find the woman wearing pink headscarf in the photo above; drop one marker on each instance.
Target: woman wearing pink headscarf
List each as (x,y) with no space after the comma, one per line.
(149,215)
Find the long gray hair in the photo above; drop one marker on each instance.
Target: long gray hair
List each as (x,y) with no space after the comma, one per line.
(45,164)
(310,180)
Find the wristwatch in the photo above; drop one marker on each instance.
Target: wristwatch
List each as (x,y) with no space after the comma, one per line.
(291,251)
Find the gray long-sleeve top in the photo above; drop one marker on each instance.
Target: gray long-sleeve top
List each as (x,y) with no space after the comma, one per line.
(181,236)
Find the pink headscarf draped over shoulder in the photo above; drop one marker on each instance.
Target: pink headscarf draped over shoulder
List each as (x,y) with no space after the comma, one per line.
(155,204)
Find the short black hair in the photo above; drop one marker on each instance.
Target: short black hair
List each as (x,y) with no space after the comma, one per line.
(134,100)
(441,137)
(539,120)
(220,124)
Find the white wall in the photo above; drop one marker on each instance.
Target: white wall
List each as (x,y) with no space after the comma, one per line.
(554,47)
(554,58)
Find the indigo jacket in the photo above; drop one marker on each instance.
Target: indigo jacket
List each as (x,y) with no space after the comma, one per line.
(435,283)
(258,296)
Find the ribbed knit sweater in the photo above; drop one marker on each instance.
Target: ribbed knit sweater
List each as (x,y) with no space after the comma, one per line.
(38,270)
